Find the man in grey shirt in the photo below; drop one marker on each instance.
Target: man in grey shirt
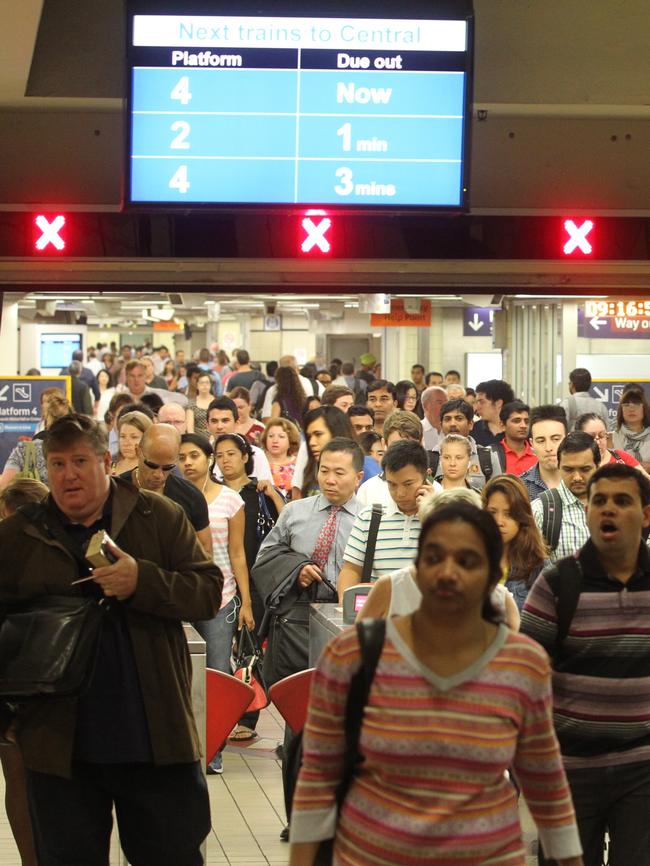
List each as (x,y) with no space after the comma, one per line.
(581,400)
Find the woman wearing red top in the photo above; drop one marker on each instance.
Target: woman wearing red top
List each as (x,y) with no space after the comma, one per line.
(250,428)
(594,425)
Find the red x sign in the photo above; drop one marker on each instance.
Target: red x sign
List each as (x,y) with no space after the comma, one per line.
(50,232)
(315,232)
(578,237)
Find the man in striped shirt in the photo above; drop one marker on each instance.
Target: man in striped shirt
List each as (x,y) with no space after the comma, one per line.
(601,686)
(405,466)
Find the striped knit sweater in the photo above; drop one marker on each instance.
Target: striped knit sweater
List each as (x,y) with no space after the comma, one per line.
(432,788)
(601,682)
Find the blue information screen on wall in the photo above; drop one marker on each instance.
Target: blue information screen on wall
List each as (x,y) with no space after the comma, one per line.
(275,110)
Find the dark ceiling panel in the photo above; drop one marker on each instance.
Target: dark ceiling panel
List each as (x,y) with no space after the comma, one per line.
(79,50)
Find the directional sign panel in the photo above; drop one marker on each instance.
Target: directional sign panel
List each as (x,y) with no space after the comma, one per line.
(610,392)
(477,321)
(20,408)
(613,327)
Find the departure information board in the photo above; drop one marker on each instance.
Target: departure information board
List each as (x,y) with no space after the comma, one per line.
(354,112)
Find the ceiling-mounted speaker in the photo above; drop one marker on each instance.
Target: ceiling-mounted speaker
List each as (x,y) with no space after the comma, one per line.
(176,299)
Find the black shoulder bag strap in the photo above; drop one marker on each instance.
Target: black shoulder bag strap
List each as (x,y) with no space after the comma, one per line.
(484,454)
(371,633)
(50,524)
(371,542)
(551,516)
(565,581)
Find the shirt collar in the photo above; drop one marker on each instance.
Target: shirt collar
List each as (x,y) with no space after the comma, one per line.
(591,561)
(322,504)
(527,449)
(567,497)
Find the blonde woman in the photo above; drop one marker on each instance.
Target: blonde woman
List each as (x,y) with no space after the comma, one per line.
(131,427)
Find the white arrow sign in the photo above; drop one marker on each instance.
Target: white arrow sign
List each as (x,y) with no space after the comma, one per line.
(602,395)
(596,323)
(476,324)
(3,393)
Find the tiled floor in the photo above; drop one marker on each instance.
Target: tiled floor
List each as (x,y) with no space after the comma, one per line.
(247,807)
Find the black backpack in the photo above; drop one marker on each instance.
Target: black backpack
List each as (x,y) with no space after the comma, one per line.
(565,581)
(551,516)
(371,634)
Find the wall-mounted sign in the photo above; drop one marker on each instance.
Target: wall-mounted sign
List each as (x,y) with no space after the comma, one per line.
(400,317)
(611,390)
(20,408)
(477,321)
(622,320)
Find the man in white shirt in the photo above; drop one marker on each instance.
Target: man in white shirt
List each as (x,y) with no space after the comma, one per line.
(432,400)
(309,386)
(222,418)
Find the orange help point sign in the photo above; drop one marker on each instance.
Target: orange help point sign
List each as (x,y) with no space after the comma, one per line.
(399,317)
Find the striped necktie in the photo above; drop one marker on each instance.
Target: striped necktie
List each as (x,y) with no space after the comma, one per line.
(326,538)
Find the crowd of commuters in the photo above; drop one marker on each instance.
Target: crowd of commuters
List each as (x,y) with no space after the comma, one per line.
(295,484)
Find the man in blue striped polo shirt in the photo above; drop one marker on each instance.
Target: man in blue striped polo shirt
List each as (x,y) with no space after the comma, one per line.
(591,613)
(405,467)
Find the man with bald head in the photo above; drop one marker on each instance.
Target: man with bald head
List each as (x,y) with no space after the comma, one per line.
(157,459)
(172,413)
(432,399)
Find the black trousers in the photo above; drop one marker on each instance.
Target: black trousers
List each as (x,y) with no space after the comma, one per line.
(163,814)
(614,799)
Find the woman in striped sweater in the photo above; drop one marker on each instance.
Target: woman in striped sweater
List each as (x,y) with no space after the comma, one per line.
(455,701)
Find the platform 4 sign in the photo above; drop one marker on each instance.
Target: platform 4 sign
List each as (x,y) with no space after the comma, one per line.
(20,408)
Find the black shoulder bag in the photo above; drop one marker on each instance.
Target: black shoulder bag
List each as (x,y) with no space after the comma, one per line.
(371,634)
(48,645)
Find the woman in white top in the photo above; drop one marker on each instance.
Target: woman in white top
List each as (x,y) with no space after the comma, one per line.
(397,594)
(226,512)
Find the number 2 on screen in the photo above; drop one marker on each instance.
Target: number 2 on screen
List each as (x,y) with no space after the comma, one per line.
(182,127)
(180,180)
(181,90)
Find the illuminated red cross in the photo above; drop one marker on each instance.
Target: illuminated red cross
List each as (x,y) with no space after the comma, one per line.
(50,232)
(578,237)
(316,232)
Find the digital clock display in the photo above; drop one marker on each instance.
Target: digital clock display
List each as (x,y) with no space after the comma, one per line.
(635,308)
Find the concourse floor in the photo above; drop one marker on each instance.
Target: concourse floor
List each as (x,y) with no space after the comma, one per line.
(247,807)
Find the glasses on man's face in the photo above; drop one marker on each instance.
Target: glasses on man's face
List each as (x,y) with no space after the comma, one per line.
(166,467)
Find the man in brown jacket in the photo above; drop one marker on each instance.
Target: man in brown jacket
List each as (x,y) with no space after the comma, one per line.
(129,740)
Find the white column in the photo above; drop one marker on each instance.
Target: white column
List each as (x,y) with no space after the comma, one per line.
(9,340)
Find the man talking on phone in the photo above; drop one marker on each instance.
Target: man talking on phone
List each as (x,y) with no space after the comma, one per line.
(129,741)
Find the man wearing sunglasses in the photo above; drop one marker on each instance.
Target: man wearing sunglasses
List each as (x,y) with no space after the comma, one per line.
(157,460)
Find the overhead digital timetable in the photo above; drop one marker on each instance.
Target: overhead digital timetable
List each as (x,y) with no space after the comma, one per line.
(350,112)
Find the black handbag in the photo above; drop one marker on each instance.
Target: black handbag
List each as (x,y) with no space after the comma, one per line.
(248,667)
(48,644)
(48,647)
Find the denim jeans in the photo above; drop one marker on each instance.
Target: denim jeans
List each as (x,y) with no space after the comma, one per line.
(218,633)
(614,799)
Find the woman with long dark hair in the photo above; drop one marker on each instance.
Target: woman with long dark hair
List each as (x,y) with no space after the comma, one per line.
(455,701)
(227,524)
(406,395)
(262,504)
(289,395)
(319,425)
(524,551)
